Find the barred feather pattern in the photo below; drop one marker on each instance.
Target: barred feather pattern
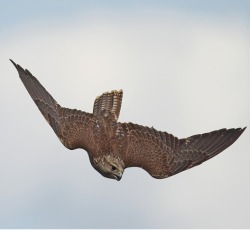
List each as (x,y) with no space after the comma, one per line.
(108,103)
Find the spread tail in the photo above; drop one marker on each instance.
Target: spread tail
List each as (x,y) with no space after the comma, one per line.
(109,102)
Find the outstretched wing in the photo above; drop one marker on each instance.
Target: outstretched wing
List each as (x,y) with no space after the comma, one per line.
(163,155)
(73,127)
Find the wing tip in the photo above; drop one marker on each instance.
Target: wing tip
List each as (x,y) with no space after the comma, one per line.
(13,63)
(18,67)
(241,130)
(236,132)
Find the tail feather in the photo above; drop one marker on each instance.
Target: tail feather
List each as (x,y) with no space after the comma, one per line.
(109,102)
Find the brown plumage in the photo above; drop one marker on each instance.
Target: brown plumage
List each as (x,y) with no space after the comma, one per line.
(113,146)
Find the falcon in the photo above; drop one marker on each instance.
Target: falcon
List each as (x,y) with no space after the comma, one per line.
(113,146)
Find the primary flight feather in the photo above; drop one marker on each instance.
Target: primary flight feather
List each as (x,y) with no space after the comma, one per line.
(113,146)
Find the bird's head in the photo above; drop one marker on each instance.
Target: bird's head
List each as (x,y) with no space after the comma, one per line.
(109,166)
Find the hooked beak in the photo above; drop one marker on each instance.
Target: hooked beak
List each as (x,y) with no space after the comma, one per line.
(117,176)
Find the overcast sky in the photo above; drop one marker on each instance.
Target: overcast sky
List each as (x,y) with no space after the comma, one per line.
(184,67)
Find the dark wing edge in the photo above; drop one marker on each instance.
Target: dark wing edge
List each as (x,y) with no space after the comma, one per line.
(70,125)
(163,155)
(202,147)
(44,101)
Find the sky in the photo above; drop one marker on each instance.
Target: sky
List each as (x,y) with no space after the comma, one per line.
(184,67)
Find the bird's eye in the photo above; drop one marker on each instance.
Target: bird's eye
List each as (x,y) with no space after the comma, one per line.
(113,168)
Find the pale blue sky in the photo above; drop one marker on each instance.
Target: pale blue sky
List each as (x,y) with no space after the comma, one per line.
(15,12)
(184,68)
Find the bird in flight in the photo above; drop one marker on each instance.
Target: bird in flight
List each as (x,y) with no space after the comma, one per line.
(113,146)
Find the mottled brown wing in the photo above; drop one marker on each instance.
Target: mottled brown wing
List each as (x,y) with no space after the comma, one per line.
(163,155)
(73,127)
